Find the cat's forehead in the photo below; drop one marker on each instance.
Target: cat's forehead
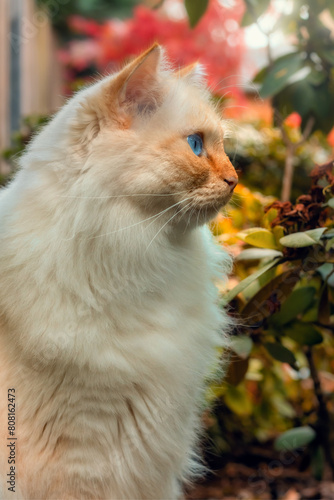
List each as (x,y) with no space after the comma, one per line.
(193,109)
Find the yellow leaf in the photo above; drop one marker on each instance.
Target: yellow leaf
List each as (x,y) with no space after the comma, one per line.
(214,392)
(238,400)
(237,217)
(258,237)
(278,232)
(270,216)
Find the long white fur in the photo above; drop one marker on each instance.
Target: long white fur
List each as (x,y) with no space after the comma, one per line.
(107,339)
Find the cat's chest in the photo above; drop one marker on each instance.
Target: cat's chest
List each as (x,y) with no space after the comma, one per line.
(157,330)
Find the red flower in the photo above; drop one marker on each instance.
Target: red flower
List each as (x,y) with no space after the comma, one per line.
(216,41)
(85,26)
(294,120)
(330,138)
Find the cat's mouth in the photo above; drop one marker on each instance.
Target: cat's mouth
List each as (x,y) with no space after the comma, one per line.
(201,211)
(213,204)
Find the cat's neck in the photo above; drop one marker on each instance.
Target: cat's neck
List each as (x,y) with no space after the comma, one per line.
(67,240)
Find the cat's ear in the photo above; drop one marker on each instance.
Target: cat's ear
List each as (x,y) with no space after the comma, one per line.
(194,74)
(136,89)
(141,89)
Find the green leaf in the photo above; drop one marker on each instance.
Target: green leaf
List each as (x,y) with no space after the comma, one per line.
(279,75)
(298,302)
(247,19)
(281,353)
(263,303)
(265,278)
(324,309)
(260,76)
(325,270)
(254,9)
(304,239)
(195,10)
(258,253)
(317,77)
(309,101)
(311,315)
(247,281)
(258,237)
(295,438)
(283,406)
(328,55)
(241,345)
(320,105)
(316,233)
(303,333)
(318,463)
(329,244)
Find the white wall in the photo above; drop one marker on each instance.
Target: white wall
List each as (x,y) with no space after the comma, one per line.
(40,87)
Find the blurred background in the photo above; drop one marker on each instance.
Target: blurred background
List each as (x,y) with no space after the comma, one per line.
(270,65)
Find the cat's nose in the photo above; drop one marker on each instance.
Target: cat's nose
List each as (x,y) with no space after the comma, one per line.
(231,182)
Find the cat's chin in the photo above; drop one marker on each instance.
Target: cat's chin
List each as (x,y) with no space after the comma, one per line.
(208,212)
(198,217)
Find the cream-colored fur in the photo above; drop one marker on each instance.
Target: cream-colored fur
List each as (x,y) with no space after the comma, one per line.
(109,322)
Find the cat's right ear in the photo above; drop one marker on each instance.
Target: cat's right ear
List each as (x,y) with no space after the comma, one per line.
(194,74)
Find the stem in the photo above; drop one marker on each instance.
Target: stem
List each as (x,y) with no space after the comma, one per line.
(327,327)
(291,148)
(266,34)
(288,173)
(324,421)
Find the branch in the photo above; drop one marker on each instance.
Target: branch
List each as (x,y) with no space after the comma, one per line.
(327,327)
(291,150)
(305,135)
(265,33)
(307,130)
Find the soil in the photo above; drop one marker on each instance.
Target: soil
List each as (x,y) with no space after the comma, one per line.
(263,475)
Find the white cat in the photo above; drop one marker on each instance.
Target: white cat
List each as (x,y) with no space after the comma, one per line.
(108,313)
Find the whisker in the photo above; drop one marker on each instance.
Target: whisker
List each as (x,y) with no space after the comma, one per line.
(234,203)
(182,201)
(239,195)
(121,195)
(171,218)
(189,218)
(236,106)
(198,214)
(246,85)
(155,216)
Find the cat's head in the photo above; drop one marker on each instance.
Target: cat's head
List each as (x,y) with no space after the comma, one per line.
(151,136)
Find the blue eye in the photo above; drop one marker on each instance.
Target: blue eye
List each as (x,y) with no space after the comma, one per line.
(196,143)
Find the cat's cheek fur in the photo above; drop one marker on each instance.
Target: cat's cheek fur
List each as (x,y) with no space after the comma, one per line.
(109,324)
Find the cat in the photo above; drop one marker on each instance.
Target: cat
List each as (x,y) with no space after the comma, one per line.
(109,322)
